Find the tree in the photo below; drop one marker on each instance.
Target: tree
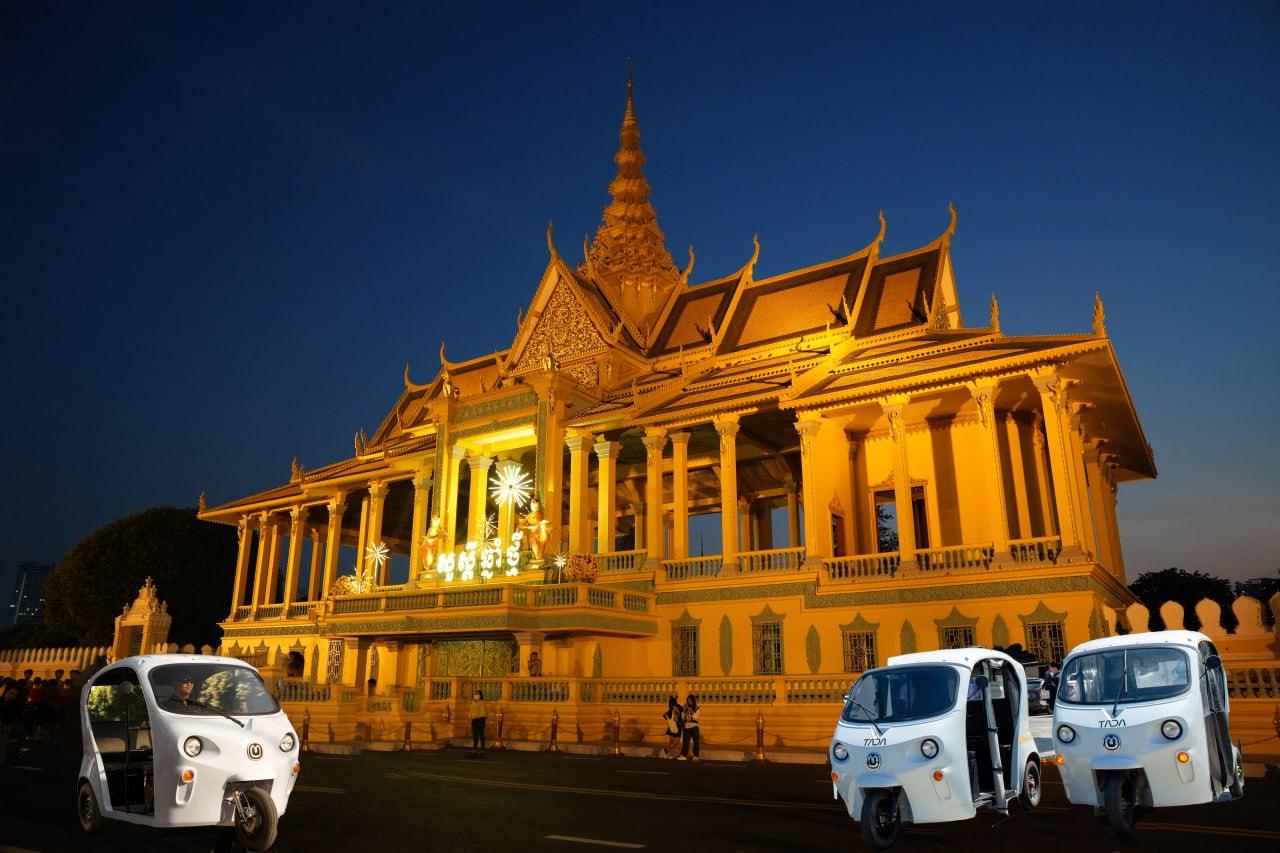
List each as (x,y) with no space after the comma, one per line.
(886,530)
(1186,588)
(191,562)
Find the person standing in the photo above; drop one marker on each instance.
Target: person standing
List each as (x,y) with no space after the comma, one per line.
(691,732)
(479,718)
(675,722)
(1051,682)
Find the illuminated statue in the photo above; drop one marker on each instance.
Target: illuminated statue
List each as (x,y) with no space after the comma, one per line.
(430,546)
(539,529)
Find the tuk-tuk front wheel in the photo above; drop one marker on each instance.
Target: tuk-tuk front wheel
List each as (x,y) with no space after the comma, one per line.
(87,809)
(881,819)
(1029,794)
(256,820)
(1120,797)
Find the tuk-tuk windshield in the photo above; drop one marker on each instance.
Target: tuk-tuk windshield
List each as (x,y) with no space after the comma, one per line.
(900,694)
(1121,676)
(211,689)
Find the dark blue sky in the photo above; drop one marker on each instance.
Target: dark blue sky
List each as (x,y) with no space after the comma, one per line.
(227,226)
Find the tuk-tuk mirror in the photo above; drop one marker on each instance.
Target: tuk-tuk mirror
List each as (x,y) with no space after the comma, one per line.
(1213,662)
(981,681)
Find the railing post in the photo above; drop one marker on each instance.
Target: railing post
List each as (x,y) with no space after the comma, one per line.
(555,723)
(497,742)
(306,730)
(617,734)
(759,756)
(407,746)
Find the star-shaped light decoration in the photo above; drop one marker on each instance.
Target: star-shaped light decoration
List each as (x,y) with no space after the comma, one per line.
(376,555)
(490,528)
(511,486)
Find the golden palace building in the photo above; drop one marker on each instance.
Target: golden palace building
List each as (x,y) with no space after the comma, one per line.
(883,478)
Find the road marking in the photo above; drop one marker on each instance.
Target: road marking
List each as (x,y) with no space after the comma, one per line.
(630,795)
(1213,830)
(596,841)
(316,789)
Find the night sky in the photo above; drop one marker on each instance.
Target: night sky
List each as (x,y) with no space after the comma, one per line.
(227,226)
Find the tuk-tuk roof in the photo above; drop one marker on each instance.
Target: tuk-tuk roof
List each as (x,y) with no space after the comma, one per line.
(967,657)
(1186,639)
(143,663)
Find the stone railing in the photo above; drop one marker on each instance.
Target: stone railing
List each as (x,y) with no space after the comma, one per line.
(735,691)
(689,568)
(1043,549)
(647,692)
(539,690)
(301,691)
(45,662)
(1254,682)
(801,691)
(777,560)
(955,558)
(497,595)
(621,561)
(861,566)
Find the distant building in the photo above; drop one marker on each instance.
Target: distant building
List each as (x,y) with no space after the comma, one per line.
(27,605)
(1260,588)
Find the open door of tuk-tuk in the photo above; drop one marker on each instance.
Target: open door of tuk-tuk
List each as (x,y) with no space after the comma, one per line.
(1213,692)
(120,727)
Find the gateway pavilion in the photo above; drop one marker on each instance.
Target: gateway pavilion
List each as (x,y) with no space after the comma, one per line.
(881,478)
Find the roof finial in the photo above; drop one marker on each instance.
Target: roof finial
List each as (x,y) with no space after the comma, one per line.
(995,314)
(1099,317)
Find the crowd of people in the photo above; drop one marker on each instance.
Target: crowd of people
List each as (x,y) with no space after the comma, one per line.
(34,708)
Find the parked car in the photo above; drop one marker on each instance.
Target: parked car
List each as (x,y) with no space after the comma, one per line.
(1038,696)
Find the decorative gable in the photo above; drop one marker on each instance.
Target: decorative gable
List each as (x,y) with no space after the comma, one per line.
(563,333)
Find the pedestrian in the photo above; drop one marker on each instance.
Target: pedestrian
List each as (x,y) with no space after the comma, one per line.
(535,665)
(479,717)
(691,732)
(675,724)
(1051,682)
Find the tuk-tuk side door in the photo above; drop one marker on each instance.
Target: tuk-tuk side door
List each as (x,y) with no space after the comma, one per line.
(120,726)
(1213,694)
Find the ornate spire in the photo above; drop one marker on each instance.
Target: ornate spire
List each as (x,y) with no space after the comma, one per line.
(628,257)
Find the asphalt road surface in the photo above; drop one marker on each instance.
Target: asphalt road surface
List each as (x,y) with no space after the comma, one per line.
(532,801)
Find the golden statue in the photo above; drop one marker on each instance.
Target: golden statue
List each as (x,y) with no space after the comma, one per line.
(430,547)
(539,529)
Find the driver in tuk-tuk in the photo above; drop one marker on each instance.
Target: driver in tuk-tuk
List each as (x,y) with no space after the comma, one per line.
(181,701)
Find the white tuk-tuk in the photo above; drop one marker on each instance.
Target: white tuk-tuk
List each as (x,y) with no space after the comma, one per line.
(185,740)
(933,737)
(1141,721)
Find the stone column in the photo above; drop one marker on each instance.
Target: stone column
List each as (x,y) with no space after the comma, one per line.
(579,493)
(245,534)
(762,524)
(793,515)
(1100,498)
(607,495)
(747,538)
(265,539)
(1018,472)
(1044,506)
(637,510)
(895,410)
(808,426)
(449,518)
(418,528)
(333,542)
(1053,400)
(273,567)
(362,537)
(391,666)
(984,394)
(680,494)
(477,506)
(655,441)
(298,519)
(377,500)
(1075,442)
(313,576)
(727,428)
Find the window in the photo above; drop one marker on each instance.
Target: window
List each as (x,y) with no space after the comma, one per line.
(956,637)
(1047,641)
(859,650)
(684,650)
(886,519)
(767,647)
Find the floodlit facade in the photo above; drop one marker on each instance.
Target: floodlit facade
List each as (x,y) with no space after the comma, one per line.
(875,476)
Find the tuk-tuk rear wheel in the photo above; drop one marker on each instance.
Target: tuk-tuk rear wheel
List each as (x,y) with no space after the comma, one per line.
(1120,798)
(1029,795)
(256,827)
(87,808)
(881,819)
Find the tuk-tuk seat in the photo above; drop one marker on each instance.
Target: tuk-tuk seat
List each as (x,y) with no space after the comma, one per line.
(110,737)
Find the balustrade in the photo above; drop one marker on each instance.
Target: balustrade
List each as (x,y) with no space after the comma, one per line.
(860,566)
(955,557)
(270,611)
(802,691)
(1043,549)
(693,567)
(777,560)
(621,561)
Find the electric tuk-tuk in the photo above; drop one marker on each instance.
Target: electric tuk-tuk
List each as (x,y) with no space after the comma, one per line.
(185,740)
(1141,721)
(933,737)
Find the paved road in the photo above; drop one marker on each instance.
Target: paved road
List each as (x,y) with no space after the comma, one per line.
(528,801)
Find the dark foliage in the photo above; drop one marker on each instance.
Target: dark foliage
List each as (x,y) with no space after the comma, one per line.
(1186,588)
(886,536)
(35,637)
(191,562)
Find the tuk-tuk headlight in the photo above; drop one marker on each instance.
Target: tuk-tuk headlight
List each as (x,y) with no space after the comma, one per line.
(1171,729)
(840,753)
(286,742)
(929,748)
(1066,734)
(192,746)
